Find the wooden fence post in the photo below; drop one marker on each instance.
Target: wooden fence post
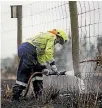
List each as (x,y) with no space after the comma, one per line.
(75,37)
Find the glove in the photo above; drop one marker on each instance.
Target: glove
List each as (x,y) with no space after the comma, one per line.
(45,71)
(54,68)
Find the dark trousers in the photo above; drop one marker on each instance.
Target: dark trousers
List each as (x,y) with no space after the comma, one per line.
(28,63)
(38,86)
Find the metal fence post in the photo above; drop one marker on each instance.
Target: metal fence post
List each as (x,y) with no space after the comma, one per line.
(16,12)
(19,25)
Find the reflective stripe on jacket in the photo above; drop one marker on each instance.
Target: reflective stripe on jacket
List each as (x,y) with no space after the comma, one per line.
(44,43)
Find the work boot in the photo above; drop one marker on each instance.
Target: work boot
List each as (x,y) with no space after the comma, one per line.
(38,88)
(16,92)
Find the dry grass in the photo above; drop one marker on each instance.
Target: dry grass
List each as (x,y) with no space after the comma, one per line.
(52,98)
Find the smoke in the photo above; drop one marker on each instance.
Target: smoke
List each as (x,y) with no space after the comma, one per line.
(58,48)
(63,56)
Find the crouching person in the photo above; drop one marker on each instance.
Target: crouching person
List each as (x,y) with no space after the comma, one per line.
(35,54)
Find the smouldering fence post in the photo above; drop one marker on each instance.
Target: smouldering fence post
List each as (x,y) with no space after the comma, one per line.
(75,36)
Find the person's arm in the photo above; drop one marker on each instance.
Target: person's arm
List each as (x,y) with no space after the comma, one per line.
(48,57)
(50,54)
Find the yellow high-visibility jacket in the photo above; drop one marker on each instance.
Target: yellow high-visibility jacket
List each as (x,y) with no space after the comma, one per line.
(44,43)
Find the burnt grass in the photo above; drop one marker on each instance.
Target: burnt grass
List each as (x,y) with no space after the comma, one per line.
(52,98)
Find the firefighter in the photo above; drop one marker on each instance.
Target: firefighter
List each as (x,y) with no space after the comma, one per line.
(34,55)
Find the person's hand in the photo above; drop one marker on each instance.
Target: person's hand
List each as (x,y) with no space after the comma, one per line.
(54,68)
(45,71)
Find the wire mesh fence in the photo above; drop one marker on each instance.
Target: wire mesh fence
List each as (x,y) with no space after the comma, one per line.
(89,14)
(49,15)
(43,16)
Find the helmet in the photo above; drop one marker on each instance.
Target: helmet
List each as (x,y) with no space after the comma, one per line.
(62,34)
